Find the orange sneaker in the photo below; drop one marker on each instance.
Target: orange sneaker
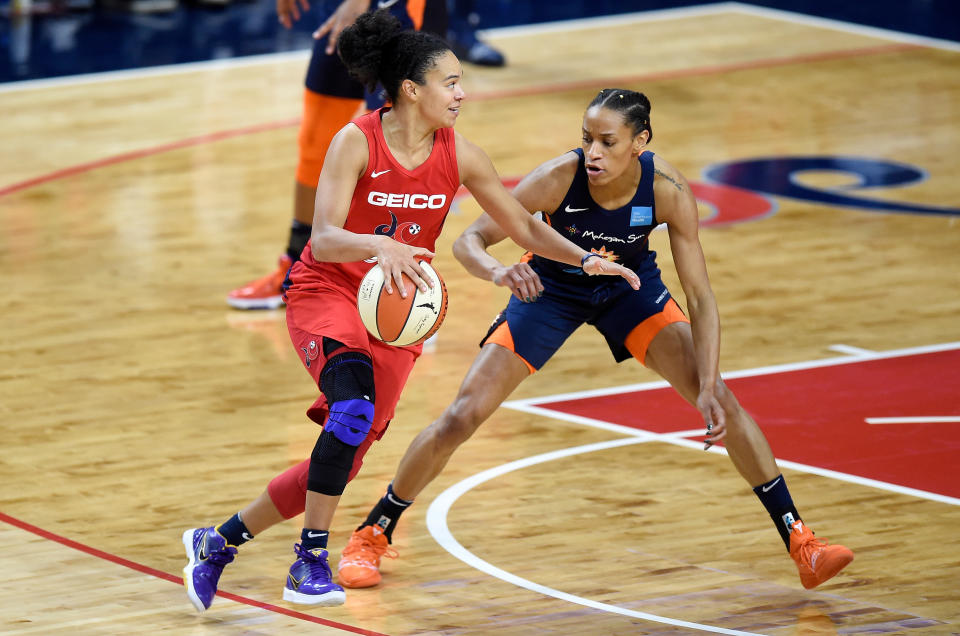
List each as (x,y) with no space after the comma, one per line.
(263,293)
(816,560)
(360,562)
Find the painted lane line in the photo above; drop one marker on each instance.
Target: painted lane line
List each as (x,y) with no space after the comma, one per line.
(852,351)
(920,419)
(744,373)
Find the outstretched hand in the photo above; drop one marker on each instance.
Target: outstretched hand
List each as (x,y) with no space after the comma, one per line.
(522,281)
(600,266)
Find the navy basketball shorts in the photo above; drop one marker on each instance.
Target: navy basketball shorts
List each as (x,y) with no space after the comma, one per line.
(628,319)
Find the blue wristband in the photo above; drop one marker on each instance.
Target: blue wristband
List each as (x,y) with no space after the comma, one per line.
(583,261)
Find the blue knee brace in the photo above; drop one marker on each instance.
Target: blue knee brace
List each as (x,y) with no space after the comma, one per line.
(350,420)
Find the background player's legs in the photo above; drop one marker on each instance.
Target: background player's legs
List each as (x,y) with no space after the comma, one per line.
(304,199)
(323,116)
(671,355)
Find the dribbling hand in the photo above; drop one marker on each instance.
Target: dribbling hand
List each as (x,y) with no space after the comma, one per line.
(397,259)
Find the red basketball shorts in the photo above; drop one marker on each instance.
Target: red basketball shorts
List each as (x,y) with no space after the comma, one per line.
(327,311)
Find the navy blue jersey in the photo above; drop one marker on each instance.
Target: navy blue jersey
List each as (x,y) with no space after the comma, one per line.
(571,298)
(619,235)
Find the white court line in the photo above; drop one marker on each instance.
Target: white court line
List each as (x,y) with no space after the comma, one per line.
(524,30)
(155,71)
(502,32)
(920,419)
(845,27)
(602,21)
(775,368)
(853,351)
(437,525)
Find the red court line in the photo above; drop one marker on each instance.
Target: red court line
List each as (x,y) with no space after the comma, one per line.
(484,96)
(146,152)
(70,543)
(693,72)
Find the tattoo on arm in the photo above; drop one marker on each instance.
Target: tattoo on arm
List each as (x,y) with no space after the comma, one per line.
(676,183)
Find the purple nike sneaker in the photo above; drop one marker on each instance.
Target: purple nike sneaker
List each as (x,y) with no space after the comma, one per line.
(310,581)
(208,553)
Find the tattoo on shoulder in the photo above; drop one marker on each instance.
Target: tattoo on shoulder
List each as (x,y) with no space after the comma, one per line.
(663,174)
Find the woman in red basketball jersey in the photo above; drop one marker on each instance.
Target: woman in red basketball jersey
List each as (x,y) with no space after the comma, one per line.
(386,173)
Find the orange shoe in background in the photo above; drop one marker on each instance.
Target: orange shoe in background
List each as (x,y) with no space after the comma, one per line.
(816,560)
(360,562)
(263,293)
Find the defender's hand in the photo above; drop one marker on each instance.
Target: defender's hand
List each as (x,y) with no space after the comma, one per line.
(599,266)
(713,417)
(522,281)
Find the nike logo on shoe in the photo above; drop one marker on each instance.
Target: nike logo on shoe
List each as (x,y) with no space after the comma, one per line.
(375,174)
(569,209)
(204,552)
(768,488)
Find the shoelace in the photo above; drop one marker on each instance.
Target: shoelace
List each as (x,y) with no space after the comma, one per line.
(810,549)
(360,545)
(221,557)
(318,567)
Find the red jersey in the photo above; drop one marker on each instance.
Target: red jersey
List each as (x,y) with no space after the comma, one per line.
(409,206)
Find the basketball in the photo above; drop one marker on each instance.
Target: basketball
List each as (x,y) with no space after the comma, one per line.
(402,321)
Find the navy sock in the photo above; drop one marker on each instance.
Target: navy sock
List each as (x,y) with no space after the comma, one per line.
(299,235)
(234,531)
(776,499)
(387,512)
(311,539)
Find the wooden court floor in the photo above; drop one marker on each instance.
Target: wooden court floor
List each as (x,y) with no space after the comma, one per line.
(135,404)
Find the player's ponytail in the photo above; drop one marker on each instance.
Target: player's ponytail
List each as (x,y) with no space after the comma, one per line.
(634,106)
(376,49)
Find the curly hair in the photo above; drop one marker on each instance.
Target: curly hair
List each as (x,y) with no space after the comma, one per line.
(376,49)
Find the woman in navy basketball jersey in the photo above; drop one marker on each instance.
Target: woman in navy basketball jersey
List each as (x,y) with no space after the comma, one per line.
(606,197)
